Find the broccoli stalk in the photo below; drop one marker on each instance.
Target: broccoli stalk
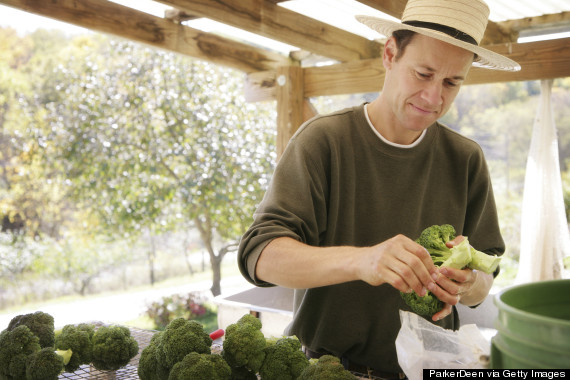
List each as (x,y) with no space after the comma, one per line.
(327,367)
(284,360)
(483,262)
(460,256)
(113,347)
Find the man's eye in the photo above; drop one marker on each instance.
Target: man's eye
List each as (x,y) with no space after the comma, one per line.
(451,84)
(422,75)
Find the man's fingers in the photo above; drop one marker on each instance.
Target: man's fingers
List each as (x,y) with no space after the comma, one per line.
(447,308)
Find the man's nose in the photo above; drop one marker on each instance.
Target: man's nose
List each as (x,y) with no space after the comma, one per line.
(432,93)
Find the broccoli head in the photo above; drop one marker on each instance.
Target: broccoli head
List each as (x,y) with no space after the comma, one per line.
(77,338)
(113,347)
(15,347)
(244,344)
(46,364)
(284,360)
(434,239)
(201,366)
(179,338)
(150,368)
(41,324)
(327,367)
(425,306)
(462,255)
(242,373)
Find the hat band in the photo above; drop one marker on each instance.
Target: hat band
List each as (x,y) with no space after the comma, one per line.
(457,34)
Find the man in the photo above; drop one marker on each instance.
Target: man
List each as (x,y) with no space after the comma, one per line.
(354,188)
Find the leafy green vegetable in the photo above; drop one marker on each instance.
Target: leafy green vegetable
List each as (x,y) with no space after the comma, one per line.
(244,344)
(77,338)
(41,324)
(327,367)
(434,239)
(113,347)
(284,360)
(15,347)
(201,366)
(46,364)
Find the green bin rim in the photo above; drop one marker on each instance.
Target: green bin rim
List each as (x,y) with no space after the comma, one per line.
(501,305)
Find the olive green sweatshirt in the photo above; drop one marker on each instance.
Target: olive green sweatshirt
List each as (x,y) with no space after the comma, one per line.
(338,183)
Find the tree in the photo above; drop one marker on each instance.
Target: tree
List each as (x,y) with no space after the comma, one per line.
(151,140)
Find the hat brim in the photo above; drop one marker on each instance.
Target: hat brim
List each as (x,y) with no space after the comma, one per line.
(486,59)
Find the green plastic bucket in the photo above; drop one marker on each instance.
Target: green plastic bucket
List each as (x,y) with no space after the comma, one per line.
(533,326)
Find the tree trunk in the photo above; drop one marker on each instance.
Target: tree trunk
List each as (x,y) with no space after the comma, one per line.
(151,259)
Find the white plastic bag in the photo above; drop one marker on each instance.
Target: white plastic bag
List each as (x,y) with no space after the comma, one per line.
(422,345)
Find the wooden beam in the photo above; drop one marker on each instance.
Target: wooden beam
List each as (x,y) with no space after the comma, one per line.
(539,60)
(561,19)
(290,105)
(272,21)
(108,17)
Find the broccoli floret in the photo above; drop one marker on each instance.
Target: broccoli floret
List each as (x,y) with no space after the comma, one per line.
(150,367)
(40,323)
(327,367)
(244,344)
(15,346)
(284,360)
(179,338)
(78,339)
(434,239)
(425,306)
(201,367)
(46,364)
(113,347)
(242,373)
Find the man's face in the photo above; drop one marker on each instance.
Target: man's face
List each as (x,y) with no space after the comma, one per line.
(421,85)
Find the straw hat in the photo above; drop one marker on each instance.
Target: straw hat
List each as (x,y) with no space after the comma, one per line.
(458,22)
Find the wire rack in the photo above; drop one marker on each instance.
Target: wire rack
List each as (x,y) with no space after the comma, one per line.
(129,372)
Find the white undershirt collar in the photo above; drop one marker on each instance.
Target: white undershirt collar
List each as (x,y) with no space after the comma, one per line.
(418,140)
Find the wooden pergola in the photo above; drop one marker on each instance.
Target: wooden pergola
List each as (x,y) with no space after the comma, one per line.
(274,76)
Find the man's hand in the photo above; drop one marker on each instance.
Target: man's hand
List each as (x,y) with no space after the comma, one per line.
(400,262)
(470,287)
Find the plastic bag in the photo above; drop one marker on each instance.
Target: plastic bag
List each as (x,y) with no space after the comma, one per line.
(422,345)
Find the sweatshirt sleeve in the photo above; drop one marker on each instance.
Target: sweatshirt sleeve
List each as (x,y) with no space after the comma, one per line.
(293,206)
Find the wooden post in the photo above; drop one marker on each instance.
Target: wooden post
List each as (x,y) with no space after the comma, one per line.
(290,96)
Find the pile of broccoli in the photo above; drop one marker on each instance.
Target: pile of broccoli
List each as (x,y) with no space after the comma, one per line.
(183,351)
(30,349)
(434,239)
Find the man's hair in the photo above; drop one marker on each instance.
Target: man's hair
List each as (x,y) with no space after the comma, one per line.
(403,38)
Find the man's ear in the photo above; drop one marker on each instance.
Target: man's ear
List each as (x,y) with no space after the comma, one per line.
(389,53)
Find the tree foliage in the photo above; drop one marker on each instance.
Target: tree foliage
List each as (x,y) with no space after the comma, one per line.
(152,140)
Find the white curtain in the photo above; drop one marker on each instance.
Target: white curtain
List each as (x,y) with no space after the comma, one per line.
(545,239)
